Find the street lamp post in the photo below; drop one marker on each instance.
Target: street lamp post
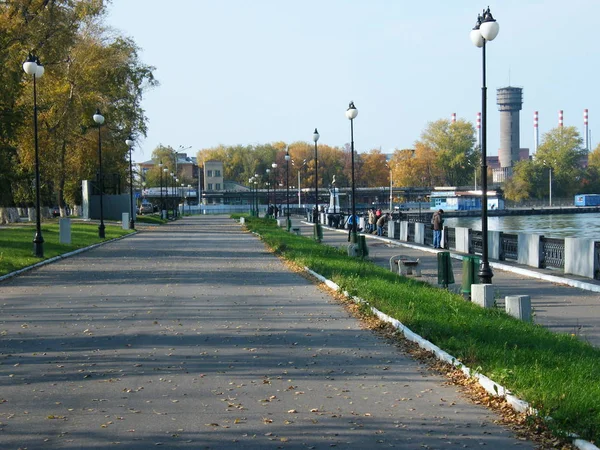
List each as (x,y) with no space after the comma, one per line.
(317,229)
(99,119)
(189,186)
(256,195)
(275,209)
(161,194)
(287,187)
(164,213)
(351,114)
(176,204)
(268,183)
(486,29)
(130,143)
(182,200)
(391,190)
(33,67)
(171,188)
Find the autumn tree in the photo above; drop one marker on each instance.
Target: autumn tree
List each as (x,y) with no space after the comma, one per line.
(87,67)
(453,145)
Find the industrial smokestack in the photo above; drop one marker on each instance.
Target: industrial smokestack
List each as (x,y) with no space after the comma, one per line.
(536,132)
(560,118)
(585,126)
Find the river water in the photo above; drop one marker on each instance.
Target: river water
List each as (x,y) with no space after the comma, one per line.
(555,225)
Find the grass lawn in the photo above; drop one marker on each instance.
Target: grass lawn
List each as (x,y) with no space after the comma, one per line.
(152,219)
(556,373)
(16,243)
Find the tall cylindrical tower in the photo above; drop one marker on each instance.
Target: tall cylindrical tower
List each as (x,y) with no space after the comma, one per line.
(510,102)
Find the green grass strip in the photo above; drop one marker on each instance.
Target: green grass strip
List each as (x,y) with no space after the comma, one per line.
(557,374)
(16,243)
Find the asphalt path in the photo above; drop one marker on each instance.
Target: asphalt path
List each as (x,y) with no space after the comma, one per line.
(192,335)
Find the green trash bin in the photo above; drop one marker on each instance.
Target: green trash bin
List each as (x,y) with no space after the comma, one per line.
(445,274)
(469,273)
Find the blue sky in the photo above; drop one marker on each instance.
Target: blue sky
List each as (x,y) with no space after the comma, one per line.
(247,72)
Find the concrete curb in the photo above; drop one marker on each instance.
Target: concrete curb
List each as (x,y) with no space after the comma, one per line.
(489,385)
(63,256)
(496,265)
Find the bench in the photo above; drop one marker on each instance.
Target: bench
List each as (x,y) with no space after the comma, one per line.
(404,265)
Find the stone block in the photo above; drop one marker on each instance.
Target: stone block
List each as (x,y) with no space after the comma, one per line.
(125,221)
(420,233)
(529,250)
(519,306)
(64,230)
(462,239)
(494,245)
(404,231)
(483,295)
(391,229)
(579,257)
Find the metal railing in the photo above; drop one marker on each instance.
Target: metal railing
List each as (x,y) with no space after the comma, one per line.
(509,246)
(428,238)
(450,237)
(475,242)
(597,260)
(553,253)
(411,232)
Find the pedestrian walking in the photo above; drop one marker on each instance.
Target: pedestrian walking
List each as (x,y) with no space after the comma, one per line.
(381,223)
(437,222)
(349,224)
(372,220)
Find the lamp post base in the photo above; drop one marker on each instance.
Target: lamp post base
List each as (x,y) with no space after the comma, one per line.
(101,234)
(38,246)
(485,273)
(318,232)
(131,224)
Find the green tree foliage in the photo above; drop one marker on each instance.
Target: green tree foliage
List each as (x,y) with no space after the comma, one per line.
(562,152)
(453,147)
(87,67)
(591,178)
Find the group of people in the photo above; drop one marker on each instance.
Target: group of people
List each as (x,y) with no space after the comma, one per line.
(377,221)
(273,211)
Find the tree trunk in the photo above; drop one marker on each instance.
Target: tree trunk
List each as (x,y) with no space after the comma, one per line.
(8,215)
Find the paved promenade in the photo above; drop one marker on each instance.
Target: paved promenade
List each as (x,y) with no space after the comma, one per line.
(561,308)
(192,335)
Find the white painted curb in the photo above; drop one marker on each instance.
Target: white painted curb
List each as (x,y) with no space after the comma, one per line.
(489,385)
(63,256)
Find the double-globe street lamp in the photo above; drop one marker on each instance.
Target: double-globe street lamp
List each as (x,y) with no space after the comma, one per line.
(351,114)
(165,209)
(486,29)
(318,233)
(32,66)
(99,119)
(130,143)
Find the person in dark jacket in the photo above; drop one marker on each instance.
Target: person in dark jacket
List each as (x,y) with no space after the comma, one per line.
(437,222)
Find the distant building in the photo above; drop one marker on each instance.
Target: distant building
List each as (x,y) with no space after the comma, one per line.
(186,167)
(451,199)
